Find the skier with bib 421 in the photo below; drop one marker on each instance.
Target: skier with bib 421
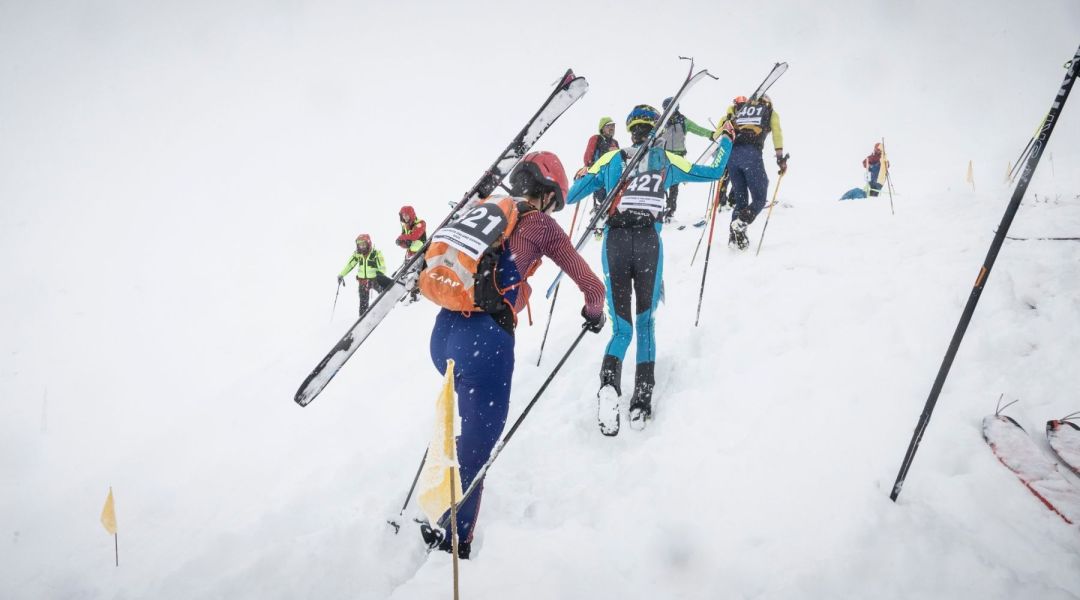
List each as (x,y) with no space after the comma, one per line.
(633,255)
(477,271)
(753,120)
(675,142)
(370,270)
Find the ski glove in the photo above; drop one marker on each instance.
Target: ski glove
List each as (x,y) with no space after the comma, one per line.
(781,160)
(340,280)
(593,324)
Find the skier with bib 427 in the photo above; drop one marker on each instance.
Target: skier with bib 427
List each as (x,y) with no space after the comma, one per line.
(633,255)
(753,120)
(477,271)
(675,142)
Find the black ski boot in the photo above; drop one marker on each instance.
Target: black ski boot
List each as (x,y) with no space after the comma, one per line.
(607,399)
(436,538)
(641,401)
(739,224)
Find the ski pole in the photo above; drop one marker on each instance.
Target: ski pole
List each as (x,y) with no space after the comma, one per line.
(336,294)
(1023,154)
(885,165)
(716,203)
(555,296)
(776,191)
(705,270)
(394,522)
(1037,147)
(506,438)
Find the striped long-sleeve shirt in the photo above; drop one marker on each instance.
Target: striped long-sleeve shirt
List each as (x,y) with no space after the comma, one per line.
(538,235)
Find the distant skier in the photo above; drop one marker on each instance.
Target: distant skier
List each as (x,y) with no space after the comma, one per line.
(753,120)
(413,231)
(481,340)
(370,270)
(675,142)
(875,175)
(633,255)
(599,145)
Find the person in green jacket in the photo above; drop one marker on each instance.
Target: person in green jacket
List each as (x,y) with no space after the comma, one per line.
(370,270)
(675,142)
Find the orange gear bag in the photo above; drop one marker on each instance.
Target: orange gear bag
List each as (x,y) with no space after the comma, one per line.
(458,261)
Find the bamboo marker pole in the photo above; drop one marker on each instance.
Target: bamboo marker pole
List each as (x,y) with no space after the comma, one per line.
(453,524)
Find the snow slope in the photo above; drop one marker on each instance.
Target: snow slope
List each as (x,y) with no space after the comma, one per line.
(180,186)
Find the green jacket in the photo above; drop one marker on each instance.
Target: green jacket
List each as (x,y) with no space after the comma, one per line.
(367,265)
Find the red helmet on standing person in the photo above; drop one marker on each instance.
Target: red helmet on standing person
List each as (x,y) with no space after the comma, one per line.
(540,172)
(363,241)
(407,214)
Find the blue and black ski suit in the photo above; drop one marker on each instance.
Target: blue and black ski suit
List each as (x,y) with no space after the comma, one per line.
(632,253)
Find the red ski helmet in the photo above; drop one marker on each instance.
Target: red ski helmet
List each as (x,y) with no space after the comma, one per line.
(363,240)
(545,169)
(407,214)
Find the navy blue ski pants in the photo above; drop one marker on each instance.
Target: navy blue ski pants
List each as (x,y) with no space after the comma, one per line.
(746,172)
(483,354)
(875,185)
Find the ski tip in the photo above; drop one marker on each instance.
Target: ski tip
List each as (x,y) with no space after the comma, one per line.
(306,394)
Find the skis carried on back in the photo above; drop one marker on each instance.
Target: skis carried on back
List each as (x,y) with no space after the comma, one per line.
(628,169)
(568,90)
(777,70)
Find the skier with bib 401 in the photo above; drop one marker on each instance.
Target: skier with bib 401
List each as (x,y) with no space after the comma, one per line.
(633,255)
(477,271)
(753,121)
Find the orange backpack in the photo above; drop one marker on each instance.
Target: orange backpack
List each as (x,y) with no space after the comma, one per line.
(460,262)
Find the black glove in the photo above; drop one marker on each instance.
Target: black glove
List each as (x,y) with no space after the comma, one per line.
(781,161)
(340,280)
(593,324)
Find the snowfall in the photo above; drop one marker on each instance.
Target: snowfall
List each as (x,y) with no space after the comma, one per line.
(180,184)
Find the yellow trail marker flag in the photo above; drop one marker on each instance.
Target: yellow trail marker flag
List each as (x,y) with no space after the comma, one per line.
(435,481)
(971,174)
(108,514)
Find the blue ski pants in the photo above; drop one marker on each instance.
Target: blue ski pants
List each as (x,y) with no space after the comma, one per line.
(749,181)
(875,186)
(483,354)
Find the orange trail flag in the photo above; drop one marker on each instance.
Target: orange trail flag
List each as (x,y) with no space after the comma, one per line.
(435,481)
(108,514)
(971,174)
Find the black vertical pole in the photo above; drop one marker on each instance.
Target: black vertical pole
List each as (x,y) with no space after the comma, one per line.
(1037,147)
